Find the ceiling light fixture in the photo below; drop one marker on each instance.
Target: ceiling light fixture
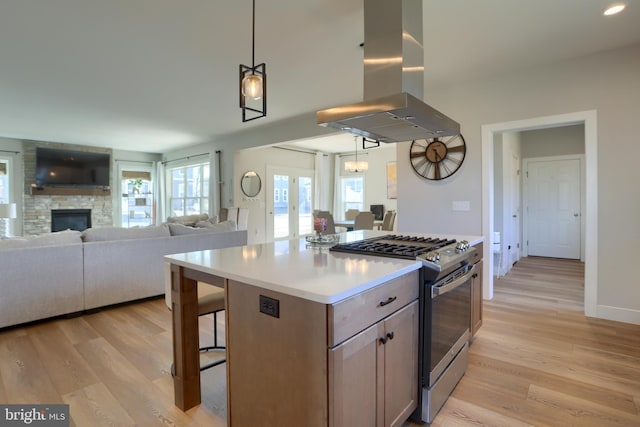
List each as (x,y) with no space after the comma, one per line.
(356,166)
(614,9)
(253,83)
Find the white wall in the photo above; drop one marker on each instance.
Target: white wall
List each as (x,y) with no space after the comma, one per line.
(608,83)
(558,141)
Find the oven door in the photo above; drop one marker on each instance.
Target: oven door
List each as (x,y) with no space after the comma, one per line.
(450,305)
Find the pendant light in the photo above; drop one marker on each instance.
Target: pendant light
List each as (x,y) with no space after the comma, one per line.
(253,83)
(356,166)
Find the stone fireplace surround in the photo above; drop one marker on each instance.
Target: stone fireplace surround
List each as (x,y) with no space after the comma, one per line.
(37,206)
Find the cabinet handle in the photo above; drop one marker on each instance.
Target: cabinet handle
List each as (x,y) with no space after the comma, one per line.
(475,276)
(388,301)
(386,338)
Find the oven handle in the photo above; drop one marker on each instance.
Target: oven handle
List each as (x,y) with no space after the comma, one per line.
(439,290)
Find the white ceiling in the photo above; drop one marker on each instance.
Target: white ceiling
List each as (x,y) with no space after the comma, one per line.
(154,75)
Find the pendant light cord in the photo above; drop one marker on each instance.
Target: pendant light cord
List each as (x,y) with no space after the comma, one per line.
(253,39)
(355,140)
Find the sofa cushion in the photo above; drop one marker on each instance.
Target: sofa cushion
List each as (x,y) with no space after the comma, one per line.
(103,234)
(181,230)
(205,223)
(187,219)
(228,225)
(58,238)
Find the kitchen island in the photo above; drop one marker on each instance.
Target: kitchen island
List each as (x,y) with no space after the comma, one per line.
(313,337)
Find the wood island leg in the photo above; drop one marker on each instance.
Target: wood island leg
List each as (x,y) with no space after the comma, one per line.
(186,358)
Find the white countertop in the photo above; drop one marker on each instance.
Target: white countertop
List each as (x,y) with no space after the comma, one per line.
(294,268)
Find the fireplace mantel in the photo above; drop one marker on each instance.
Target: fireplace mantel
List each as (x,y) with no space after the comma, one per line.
(70,191)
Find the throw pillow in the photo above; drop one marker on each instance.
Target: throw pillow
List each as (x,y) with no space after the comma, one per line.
(187,219)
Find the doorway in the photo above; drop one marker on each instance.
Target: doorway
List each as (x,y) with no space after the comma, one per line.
(289,203)
(589,120)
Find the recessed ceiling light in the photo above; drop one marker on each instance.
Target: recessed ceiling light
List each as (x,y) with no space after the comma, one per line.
(614,8)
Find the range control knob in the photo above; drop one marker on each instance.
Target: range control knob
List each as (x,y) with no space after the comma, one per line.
(462,246)
(433,256)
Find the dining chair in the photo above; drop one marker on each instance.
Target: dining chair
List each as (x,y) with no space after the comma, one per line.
(331,226)
(351,214)
(388,221)
(364,221)
(210,301)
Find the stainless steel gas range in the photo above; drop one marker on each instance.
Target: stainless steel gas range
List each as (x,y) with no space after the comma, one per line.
(445,309)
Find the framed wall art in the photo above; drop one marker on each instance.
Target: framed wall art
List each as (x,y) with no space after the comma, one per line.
(392,181)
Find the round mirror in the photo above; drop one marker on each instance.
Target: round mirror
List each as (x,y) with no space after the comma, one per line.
(250,184)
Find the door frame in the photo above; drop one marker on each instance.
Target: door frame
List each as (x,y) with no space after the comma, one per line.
(511,226)
(525,198)
(133,166)
(14,170)
(590,216)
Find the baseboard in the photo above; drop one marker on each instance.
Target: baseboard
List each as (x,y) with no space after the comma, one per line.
(618,314)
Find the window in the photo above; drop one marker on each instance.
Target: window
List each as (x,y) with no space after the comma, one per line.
(188,189)
(352,193)
(4,181)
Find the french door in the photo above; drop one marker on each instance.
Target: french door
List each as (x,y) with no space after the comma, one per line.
(289,202)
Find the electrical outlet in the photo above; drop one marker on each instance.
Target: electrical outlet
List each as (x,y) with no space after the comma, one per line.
(462,205)
(269,306)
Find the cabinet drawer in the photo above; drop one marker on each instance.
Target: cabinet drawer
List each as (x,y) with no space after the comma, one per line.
(352,315)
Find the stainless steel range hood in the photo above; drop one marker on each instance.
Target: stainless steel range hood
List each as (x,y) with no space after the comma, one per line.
(392,110)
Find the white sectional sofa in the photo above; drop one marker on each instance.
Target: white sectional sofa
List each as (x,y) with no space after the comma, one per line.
(41,277)
(67,272)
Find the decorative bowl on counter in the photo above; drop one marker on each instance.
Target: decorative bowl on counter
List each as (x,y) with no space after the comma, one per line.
(323,240)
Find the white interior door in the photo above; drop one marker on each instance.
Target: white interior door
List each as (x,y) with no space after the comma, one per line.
(513,245)
(554,208)
(289,204)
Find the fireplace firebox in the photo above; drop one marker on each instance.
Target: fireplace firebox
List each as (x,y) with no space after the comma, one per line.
(70,219)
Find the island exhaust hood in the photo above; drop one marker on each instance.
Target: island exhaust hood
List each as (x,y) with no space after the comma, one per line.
(392,110)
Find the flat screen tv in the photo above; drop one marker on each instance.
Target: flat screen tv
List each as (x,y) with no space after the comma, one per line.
(71,168)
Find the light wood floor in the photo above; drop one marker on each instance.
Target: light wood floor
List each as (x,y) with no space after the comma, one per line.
(536,361)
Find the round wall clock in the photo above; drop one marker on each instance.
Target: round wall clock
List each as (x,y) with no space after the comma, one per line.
(437,158)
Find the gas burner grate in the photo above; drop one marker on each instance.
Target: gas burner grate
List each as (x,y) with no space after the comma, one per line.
(396,246)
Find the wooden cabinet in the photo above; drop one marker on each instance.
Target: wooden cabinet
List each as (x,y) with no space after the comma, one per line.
(353,363)
(476,292)
(373,376)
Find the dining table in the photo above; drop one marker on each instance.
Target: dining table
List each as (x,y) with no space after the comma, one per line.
(350,223)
